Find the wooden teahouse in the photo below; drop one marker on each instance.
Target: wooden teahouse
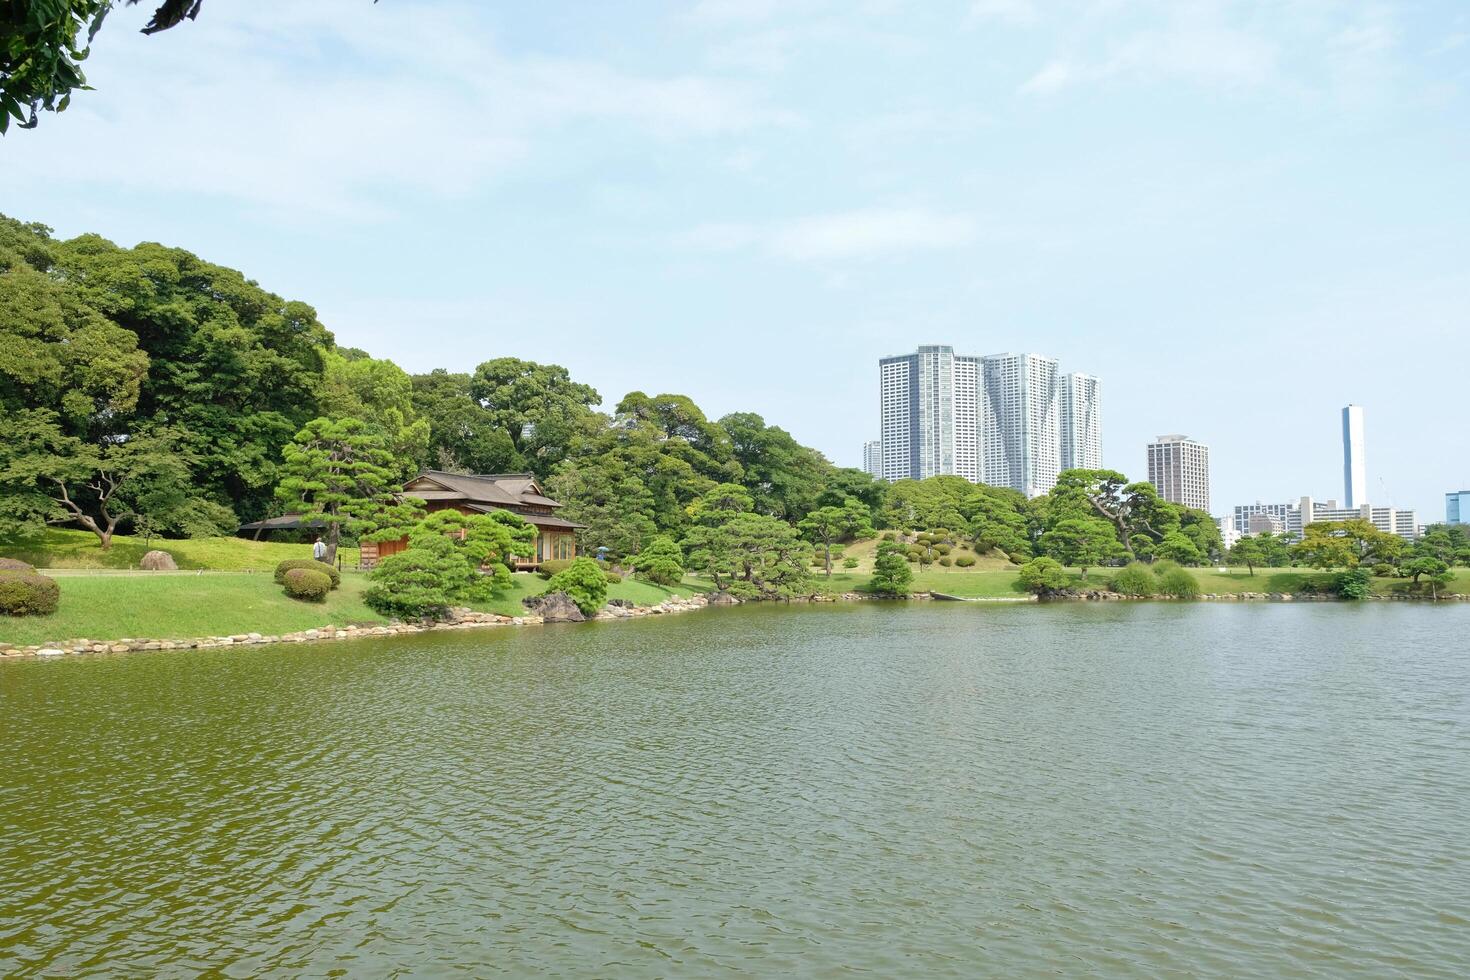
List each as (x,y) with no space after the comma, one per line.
(519,493)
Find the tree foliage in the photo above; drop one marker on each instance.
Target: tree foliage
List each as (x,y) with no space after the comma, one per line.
(891,573)
(661,562)
(584,582)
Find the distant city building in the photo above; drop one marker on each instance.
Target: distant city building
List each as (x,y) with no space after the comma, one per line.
(1404,523)
(1457,507)
(1228,534)
(927,407)
(1020,418)
(1179,468)
(995,419)
(873,458)
(1354,468)
(1081,423)
(1257,518)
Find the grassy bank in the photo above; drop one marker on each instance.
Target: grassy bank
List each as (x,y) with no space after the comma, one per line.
(57,548)
(175,606)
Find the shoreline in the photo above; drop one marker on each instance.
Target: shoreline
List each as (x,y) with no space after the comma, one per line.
(469,619)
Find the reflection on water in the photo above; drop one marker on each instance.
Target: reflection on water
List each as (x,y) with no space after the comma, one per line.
(938,790)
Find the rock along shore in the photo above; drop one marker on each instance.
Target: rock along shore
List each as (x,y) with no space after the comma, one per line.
(461,619)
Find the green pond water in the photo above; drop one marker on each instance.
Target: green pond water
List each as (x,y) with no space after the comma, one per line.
(906,790)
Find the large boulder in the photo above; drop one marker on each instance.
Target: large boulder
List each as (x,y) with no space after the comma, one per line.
(159,561)
(723,599)
(556,607)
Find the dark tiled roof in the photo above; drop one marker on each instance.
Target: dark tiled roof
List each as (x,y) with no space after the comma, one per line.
(505,489)
(540,520)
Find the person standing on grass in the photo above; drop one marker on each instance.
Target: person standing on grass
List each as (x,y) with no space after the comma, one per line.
(319,549)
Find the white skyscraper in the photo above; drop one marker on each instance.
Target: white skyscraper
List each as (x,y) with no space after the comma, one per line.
(927,409)
(1020,422)
(873,458)
(1354,469)
(1179,468)
(1081,422)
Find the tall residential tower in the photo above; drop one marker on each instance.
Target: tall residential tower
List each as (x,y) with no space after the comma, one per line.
(1081,423)
(873,458)
(1009,420)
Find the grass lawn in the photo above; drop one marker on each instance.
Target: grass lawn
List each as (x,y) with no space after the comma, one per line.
(179,606)
(176,606)
(58,548)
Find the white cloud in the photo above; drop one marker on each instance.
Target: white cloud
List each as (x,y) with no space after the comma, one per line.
(333,108)
(1054,75)
(859,234)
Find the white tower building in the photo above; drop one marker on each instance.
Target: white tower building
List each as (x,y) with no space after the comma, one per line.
(927,407)
(1081,422)
(1354,469)
(873,458)
(1020,422)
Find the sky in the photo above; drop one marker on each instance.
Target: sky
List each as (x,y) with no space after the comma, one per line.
(1240,214)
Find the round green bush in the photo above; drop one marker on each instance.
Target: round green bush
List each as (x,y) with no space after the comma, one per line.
(964,561)
(334,576)
(850,563)
(912,556)
(1179,584)
(28,594)
(584,583)
(889,536)
(555,566)
(943,549)
(1135,579)
(946,562)
(16,565)
(1383,570)
(613,578)
(307,584)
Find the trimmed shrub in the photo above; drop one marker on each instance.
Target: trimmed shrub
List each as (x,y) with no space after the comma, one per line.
(584,582)
(1354,585)
(1383,570)
(307,584)
(889,536)
(943,549)
(946,562)
(1179,584)
(890,575)
(964,561)
(1135,579)
(28,594)
(16,565)
(613,578)
(310,565)
(850,563)
(911,556)
(660,562)
(549,569)
(417,583)
(1043,575)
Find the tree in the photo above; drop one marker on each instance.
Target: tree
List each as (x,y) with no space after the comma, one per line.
(1139,516)
(340,470)
(1248,551)
(1423,565)
(1082,542)
(487,544)
(756,555)
(538,406)
(1347,544)
(1177,546)
(661,562)
(829,525)
(380,393)
(1043,575)
(462,433)
(891,573)
(423,581)
(49,477)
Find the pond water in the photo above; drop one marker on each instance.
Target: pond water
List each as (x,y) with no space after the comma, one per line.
(945,789)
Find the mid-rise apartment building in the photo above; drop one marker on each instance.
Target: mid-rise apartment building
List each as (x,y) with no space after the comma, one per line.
(1179,468)
(1457,507)
(873,458)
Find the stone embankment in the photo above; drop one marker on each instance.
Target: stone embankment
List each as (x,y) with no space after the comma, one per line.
(461,619)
